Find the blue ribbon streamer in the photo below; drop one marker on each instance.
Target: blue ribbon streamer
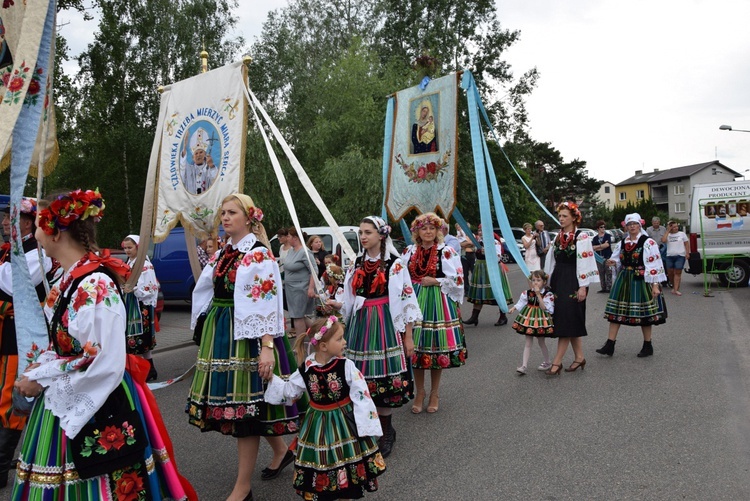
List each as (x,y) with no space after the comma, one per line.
(29,318)
(480,170)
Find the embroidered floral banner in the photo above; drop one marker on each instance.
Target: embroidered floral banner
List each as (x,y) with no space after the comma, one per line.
(21,78)
(202,153)
(422,172)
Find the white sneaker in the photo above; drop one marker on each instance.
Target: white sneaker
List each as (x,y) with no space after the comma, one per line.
(544,366)
(521,370)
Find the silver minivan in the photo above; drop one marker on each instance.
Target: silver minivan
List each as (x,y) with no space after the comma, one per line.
(330,242)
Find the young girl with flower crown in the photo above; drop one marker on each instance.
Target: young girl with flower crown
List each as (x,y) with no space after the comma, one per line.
(340,406)
(333,298)
(95,431)
(379,309)
(534,320)
(140,304)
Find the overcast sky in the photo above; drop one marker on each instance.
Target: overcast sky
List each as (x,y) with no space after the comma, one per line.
(625,85)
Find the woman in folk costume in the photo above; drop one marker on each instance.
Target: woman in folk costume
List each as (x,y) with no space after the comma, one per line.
(635,298)
(438,277)
(480,289)
(95,431)
(379,309)
(571,267)
(140,304)
(242,342)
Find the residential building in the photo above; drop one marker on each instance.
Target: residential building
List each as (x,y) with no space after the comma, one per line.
(607,195)
(671,189)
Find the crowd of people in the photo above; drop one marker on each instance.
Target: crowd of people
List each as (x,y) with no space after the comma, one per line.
(365,338)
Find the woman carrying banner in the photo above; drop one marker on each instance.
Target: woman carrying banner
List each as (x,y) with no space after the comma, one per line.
(95,431)
(435,270)
(238,300)
(480,289)
(379,310)
(572,268)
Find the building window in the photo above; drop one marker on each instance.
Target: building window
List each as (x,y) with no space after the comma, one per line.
(606,189)
(679,207)
(679,189)
(639,194)
(623,196)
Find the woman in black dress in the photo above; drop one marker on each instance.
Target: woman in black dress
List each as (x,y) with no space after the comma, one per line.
(572,268)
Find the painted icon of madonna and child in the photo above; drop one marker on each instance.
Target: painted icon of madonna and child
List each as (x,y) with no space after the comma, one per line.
(423,130)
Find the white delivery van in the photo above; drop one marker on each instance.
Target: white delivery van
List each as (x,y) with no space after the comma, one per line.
(720,231)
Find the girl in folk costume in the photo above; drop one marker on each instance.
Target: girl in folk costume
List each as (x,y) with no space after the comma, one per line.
(337,450)
(534,320)
(480,290)
(635,298)
(333,299)
(140,304)
(242,342)
(572,268)
(436,272)
(95,431)
(379,309)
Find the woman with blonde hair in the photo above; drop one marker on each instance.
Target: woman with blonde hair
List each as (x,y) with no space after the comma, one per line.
(238,299)
(437,275)
(533,262)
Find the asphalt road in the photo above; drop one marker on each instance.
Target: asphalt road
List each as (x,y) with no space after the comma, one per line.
(672,426)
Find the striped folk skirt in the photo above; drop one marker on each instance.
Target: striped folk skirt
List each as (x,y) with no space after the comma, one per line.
(631,302)
(141,331)
(534,321)
(46,470)
(480,289)
(377,350)
(332,462)
(227,392)
(439,341)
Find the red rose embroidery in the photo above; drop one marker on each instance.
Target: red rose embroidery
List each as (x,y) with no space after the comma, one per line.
(421,173)
(361,470)
(462,356)
(240,411)
(232,275)
(33,87)
(267,286)
(278,428)
(81,297)
(112,438)
(64,342)
(321,482)
(426,361)
(16,84)
(258,256)
(443,361)
(431,167)
(128,487)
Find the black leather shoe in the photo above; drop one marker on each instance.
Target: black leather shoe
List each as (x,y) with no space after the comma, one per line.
(647,350)
(271,473)
(608,348)
(502,320)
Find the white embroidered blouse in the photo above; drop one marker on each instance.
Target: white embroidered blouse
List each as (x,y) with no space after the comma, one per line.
(147,288)
(452,284)
(258,301)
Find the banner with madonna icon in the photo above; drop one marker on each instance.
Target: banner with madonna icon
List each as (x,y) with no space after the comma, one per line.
(422,172)
(202,151)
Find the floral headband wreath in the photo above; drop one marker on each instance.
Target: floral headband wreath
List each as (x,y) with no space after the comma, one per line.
(255,214)
(429,219)
(322,332)
(573,208)
(76,205)
(339,277)
(384,230)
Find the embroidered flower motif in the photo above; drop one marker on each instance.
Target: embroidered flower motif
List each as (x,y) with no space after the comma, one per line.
(343,480)
(111,438)
(128,487)
(54,293)
(263,288)
(321,482)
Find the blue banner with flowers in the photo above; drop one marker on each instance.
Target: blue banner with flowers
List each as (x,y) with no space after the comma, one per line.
(422,154)
(21,109)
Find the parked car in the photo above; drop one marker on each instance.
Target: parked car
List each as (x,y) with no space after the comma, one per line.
(120,254)
(507,257)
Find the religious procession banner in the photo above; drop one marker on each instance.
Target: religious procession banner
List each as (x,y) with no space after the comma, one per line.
(21,77)
(201,156)
(422,171)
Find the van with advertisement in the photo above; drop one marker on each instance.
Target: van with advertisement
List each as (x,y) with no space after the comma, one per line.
(720,231)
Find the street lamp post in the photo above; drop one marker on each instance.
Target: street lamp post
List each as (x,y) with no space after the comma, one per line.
(729,127)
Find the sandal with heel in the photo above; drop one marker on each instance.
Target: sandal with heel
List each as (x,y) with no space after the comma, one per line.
(434,404)
(418,403)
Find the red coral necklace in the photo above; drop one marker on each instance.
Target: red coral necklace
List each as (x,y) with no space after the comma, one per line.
(566,238)
(419,267)
(226,260)
(65,283)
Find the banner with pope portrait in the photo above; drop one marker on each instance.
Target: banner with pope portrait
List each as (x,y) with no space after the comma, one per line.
(422,172)
(201,158)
